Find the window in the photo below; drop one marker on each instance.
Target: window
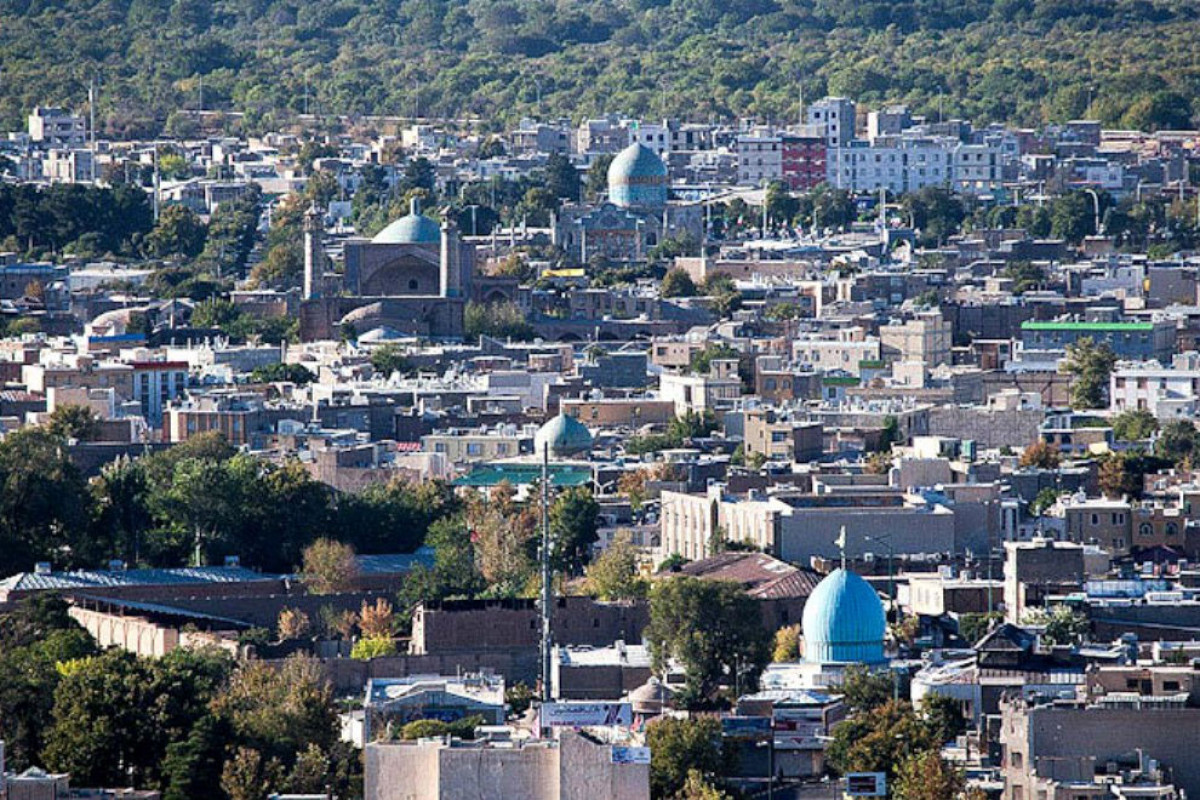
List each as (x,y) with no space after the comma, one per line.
(1170,686)
(412,284)
(1172,529)
(1146,529)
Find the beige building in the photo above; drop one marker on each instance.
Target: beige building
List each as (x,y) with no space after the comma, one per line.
(466,447)
(927,338)
(689,521)
(844,350)
(776,436)
(574,767)
(1037,569)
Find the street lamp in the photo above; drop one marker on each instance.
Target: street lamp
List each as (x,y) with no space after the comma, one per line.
(886,541)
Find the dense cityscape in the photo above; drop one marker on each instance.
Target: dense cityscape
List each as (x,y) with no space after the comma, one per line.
(847,451)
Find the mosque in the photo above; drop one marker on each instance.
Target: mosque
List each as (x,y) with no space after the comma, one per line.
(637,216)
(414,277)
(843,625)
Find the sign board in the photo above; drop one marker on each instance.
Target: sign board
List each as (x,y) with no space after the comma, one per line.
(582,715)
(866,784)
(746,727)
(630,755)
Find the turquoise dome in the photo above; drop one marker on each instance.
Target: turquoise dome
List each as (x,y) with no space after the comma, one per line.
(843,621)
(566,436)
(412,228)
(637,177)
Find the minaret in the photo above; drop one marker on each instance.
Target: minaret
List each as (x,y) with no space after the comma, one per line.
(313,227)
(451,258)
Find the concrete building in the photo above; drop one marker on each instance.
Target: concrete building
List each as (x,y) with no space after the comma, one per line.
(1034,570)
(1046,744)
(926,338)
(575,766)
(57,127)
(1166,392)
(1139,341)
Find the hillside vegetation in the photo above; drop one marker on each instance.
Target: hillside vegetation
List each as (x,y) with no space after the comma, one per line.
(1127,62)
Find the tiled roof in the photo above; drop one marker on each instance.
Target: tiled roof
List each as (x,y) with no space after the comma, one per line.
(761,575)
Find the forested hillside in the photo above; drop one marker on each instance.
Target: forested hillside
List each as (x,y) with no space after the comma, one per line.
(1135,62)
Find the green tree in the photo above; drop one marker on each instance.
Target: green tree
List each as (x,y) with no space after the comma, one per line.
(680,746)
(944,715)
(713,628)
(1090,365)
(562,179)
(926,776)
(502,320)
(678,283)
(35,638)
(179,232)
(1178,442)
(289,373)
(973,626)
(614,574)
(1061,625)
(43,501)
(389,359)
(880,741)
(1134,425)
(74,422)
(864,690)
(192,767)
(1045,499)
(574,521)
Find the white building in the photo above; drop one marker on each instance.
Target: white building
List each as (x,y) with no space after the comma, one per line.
(57,127)
(1166,392)
(760,158)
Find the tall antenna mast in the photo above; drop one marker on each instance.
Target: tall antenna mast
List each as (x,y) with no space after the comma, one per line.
(547,589)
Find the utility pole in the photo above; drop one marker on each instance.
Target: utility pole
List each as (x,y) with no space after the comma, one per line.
(547,575)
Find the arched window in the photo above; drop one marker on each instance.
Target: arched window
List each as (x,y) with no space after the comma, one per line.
(1146,529)
(412,284)
(1172,529)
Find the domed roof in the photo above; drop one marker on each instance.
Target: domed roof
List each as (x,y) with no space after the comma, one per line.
(566,436)
(637,177)
(843,621)
(413,228)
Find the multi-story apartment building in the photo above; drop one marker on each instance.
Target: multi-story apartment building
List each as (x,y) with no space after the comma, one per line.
(57,127)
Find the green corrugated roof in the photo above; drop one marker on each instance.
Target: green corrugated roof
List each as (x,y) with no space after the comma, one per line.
(838,380)
(871,363)
(518,474)
(1114,327)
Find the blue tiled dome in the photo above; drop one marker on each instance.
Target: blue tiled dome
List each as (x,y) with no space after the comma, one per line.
(566,436)
(843,621)
(637,177)
(412,228)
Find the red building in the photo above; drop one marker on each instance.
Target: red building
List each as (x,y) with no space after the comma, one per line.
(803,161)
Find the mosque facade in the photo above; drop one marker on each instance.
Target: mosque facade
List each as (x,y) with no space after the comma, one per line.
(414,277)
(637,216)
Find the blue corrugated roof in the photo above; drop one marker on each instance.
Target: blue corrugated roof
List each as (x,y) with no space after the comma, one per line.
(87,579)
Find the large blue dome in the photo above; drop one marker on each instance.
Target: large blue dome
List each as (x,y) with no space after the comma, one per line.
(412,228)
(637,177)
(843,621)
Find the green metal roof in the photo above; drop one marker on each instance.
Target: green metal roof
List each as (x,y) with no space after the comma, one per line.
(871,363)
(520,474)
(1114,327)
(838,380)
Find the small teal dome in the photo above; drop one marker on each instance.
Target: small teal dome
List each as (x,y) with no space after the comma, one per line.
(843,621)
(637,177)
(412,228)
(566,436)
